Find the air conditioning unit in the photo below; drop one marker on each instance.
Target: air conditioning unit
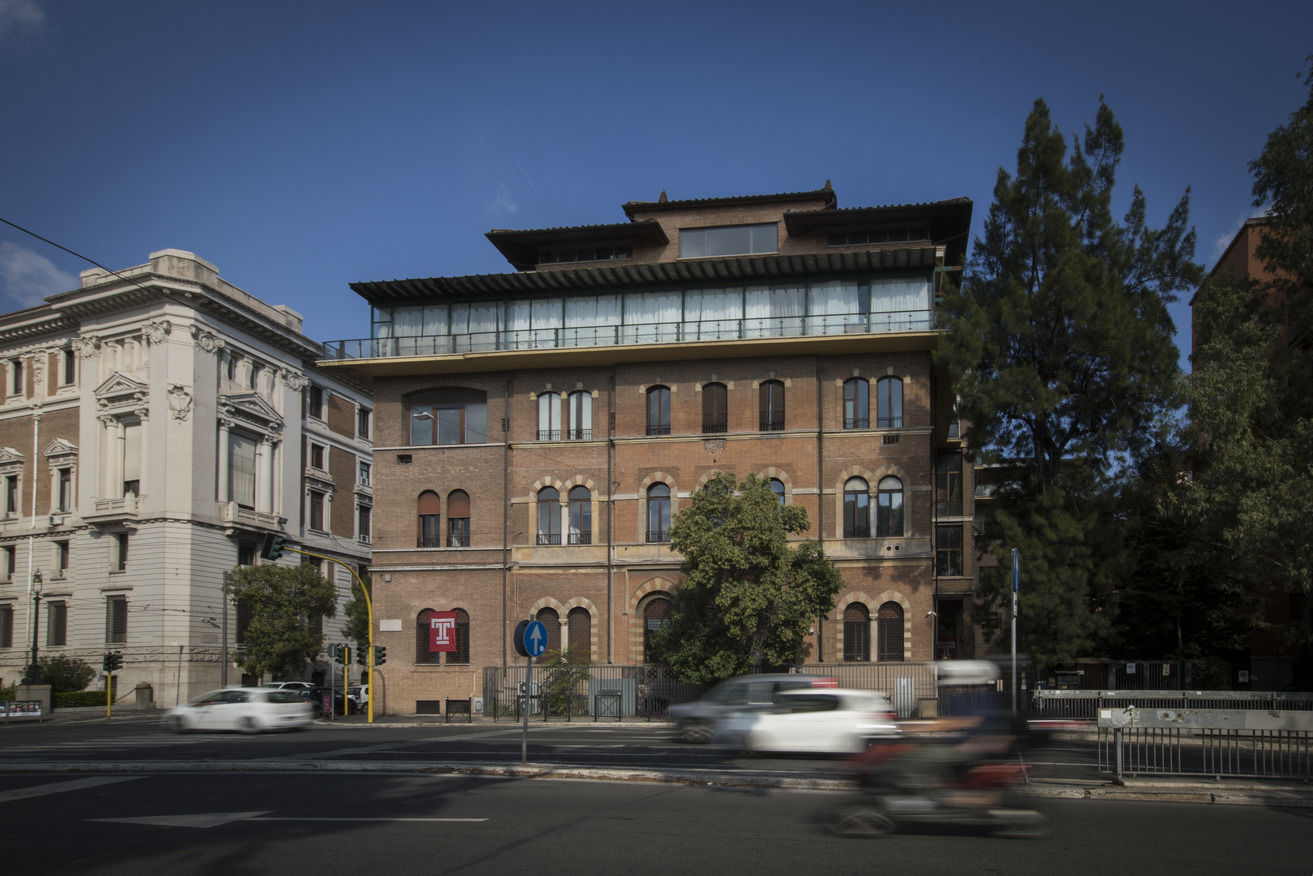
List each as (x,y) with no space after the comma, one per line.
(56,520)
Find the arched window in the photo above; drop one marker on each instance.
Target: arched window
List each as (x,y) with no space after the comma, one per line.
(656,614)
(856,633)
(771,406)
(777,487)
(889,507)
(715,415)
(430,519)
(580,416)
(424,639)
(580,630)
(458,519)
(549,516)
(581,515)
(447,416)
(658,410)
(856,509)
(549,417)
(889,631)
(889,403)
(551,621)
(658,513)
(856,404)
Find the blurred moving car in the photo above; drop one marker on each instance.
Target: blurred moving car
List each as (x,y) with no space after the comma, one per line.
(245,709)
(812,721)
(694,721)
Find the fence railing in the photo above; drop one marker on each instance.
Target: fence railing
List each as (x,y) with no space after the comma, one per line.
(1251,743)
(1084,705)
(572,691)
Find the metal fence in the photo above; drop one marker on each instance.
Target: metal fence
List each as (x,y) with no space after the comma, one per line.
(569,691)
(1084,705)
(1206,742)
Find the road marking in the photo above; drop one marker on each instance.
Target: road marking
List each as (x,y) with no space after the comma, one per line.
(206,820)
(61,787)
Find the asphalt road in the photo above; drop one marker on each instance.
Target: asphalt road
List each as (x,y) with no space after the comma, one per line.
(370,822)
(140,740)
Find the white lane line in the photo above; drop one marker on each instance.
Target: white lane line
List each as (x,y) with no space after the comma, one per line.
(205,820)
(62,787)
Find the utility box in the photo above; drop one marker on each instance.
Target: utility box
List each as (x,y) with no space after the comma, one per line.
(145,696)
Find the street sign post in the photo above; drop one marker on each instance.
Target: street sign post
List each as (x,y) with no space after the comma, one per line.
(531,641)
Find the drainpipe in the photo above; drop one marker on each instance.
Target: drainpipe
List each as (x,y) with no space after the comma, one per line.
(505,519)
(820,493)
(610,521)
(31,538)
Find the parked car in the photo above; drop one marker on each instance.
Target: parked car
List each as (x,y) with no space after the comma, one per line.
(359,696)
(246,709)
(694,721)
(815,721)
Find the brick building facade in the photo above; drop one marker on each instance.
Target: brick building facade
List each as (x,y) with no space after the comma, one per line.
(536,431)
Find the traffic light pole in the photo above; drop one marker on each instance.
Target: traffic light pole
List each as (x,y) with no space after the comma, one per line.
(369,607)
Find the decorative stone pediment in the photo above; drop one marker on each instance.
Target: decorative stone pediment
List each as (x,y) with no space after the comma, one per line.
(250,409)
(60,448)
(10,457)
(121,391)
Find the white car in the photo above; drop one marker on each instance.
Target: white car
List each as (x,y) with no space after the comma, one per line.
(247,709)
(812,721)
(694,721)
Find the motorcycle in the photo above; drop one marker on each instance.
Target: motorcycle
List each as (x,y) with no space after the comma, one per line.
(908,785)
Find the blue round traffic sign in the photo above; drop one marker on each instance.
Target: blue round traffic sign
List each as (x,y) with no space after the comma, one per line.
(535,638)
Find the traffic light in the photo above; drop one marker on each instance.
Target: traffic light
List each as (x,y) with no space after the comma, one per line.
(273,545)
(362,656)
(335,652)
(380,655)
(112,662)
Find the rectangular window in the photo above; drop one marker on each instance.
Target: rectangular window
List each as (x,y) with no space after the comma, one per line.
(365,469)
(116,620)
(362,423)
(9,562)
(70,367)
(317,454)
(61,559)
(246,555)
(64,502)
(6,626)
(948,484)
(121,551)
(15,377)
(430,530)
(241,469)
(56,622)
(458,534)
(771,406)
(132,457)
(696,243)
(363,515)
(580,422)
(658,411)
(243,620)
(315,402)
(11,496)
(948,550)
(316,514)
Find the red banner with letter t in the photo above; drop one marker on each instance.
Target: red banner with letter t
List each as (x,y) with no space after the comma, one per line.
(442,631)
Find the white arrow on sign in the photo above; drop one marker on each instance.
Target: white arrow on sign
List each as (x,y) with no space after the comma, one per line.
(536,633)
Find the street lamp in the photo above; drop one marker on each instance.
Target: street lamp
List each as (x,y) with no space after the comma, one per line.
(34,671)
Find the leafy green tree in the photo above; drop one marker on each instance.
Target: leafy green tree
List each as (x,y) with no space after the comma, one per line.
(1059,337)
(1251,390)
(64,673)
(286,604)
(355,627)
(1060,342)
(564,680)
(748,596)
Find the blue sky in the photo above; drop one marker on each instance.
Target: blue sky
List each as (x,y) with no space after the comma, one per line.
(301,146)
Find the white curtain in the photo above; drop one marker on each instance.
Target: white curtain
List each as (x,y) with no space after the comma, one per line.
(241,469)
(774,311)
(591,320)
(711,314)
(652,317)
(900,304)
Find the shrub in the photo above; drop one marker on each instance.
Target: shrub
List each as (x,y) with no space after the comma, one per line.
(66,674)
(71,698)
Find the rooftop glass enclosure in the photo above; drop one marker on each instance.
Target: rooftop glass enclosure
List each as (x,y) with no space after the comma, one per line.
(888,303)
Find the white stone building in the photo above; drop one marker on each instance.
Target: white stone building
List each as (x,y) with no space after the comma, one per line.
(156,423)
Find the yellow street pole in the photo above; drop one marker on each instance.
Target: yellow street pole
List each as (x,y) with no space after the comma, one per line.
(369,607)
